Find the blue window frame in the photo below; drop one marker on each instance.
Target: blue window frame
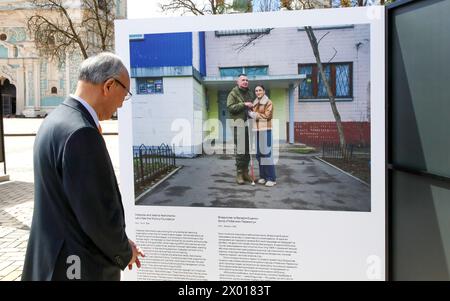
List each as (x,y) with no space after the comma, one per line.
(150,85)
(339,75)
(321,89)
(249,70)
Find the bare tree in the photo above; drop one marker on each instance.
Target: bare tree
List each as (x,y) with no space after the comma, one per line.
(294,5)
(99,22)
(209,7)
(206,7)
(61,27)
(309,4)
(252,38)
(290,5)
(331,97)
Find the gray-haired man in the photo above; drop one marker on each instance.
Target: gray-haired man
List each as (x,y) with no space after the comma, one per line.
(78,228)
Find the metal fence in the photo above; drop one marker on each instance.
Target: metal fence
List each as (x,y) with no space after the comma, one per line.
(335,151)
(150,162)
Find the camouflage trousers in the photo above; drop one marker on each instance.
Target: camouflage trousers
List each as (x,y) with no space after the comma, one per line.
(241,151)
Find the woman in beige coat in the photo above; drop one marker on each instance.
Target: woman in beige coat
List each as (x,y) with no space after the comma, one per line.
(262,114)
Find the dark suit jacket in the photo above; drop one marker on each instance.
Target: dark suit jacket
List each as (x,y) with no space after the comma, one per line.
(77,206)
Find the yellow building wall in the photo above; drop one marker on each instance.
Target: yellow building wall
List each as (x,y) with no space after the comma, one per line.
(279,102)
(212,124)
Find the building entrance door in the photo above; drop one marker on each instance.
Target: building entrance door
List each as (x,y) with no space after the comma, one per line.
(224,115)
(8,98)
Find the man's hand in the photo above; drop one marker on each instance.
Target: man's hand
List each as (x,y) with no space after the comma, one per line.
(136,253)
(249,105)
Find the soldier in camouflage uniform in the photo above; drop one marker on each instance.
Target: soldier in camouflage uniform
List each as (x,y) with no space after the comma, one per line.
(239,100)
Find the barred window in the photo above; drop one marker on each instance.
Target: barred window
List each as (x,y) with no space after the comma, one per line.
(339,75)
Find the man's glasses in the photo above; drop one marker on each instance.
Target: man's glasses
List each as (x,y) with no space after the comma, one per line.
(129,95)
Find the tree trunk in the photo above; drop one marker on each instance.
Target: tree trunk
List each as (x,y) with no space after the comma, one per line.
(74,32)
(337,116)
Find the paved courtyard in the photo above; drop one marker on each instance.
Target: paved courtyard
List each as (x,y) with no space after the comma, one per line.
(303,183)
(16,208)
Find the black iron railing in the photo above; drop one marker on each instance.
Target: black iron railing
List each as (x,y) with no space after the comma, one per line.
(150,163)
(335,151)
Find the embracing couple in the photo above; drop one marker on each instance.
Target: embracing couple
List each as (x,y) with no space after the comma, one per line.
(242,105)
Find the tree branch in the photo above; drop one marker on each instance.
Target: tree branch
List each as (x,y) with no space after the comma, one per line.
(55,29)
(184,5)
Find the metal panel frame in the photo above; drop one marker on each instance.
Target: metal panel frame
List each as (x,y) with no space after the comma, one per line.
(2,136)
(389,167)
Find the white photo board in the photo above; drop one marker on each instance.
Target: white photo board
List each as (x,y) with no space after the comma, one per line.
(330,226)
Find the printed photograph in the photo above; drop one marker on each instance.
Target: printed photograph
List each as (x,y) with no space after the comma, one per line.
(267,118)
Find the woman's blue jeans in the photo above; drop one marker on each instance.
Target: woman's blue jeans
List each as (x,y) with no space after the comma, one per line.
(264,156)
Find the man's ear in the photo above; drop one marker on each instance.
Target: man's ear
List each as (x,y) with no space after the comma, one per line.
(107,86)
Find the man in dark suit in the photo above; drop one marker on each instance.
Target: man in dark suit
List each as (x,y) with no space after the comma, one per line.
(78,227)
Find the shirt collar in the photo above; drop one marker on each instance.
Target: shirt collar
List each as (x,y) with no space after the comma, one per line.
(88,107)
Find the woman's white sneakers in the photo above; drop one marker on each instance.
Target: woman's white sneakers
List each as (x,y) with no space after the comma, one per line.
(267,184)
(270,184)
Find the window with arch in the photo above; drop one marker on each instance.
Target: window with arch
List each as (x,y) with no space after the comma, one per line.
(54,90)
(102,5)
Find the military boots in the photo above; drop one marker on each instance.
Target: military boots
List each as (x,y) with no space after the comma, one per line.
(240,177)
(247,177)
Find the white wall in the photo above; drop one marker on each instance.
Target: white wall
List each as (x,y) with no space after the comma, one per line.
(199,116)
(196,50)
(155,115)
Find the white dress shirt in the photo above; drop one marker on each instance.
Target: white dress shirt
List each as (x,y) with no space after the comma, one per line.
(88,107)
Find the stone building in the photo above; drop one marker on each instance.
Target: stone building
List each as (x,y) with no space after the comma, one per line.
(31,85)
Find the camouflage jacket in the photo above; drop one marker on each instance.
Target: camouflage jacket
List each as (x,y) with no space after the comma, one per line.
(235,102)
